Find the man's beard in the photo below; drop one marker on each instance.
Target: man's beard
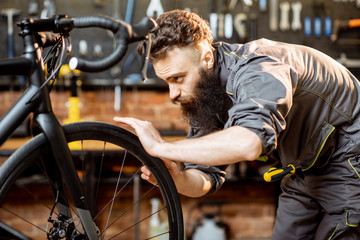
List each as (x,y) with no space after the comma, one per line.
(207,112)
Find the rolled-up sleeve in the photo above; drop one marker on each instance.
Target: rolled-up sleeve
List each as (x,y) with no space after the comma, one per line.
(215,173)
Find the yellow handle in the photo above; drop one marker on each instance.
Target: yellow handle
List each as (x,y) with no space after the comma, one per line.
(275,174)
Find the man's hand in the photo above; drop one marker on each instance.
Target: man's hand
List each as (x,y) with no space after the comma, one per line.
(172,167)
(149,137)
(190,182)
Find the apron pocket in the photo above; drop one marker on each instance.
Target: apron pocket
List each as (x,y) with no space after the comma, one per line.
(352,218)
(320,146)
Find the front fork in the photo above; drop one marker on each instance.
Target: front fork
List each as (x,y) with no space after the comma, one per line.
(61,152)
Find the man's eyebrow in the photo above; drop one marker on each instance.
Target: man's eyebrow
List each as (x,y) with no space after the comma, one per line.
(174,75)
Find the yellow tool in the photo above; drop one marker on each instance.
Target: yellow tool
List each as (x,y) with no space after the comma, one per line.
(275,174)
(73,102)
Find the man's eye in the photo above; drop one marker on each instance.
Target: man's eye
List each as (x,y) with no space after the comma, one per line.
(178,79)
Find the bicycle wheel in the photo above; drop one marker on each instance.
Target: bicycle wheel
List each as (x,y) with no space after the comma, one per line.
(108,161)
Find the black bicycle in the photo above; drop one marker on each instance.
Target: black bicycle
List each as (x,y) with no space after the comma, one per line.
(81,180)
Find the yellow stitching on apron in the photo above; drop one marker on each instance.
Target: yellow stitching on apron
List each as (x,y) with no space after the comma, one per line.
(233,53)
(353,167)
(322,146)
(350,225)
(334,231)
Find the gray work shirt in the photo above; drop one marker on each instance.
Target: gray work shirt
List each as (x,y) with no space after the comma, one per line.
(302,104)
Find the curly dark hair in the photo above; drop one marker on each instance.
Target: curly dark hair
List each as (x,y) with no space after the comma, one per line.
(178,28)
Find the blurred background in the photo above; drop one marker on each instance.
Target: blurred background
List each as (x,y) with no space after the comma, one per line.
(245,206)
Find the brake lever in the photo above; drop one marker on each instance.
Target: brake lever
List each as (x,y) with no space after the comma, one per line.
(145,57)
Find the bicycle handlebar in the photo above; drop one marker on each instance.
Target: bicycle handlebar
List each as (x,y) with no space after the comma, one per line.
(124,35)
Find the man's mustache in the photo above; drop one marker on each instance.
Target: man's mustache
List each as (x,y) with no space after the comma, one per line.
(183,100)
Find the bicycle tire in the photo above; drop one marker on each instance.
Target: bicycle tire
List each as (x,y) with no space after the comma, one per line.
(16,173)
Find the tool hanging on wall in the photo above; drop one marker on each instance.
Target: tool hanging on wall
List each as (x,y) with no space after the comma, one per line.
(328,26)
(130,60)
(116,9)
(317,27)
(253,27)
(319,13)
(232,4)
(33,8)
(129,11)
(240,26)
(225,22)
(273,15)
(10,14)
(220,25)
(228,21)
(228,25)
(342,25)
(307,26)
(296,8)
(248,3)
(154,9)
(49,9)
(213,19)
(71,79)
(284,16)
(263,5)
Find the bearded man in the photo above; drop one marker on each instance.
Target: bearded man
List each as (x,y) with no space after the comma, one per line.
(262,98)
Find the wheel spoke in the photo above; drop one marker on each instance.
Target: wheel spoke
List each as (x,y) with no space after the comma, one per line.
(23,219)
(128,209)
(142,220)
(121,203)
(115,193)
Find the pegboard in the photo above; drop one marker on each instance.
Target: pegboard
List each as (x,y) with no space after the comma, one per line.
(257,25)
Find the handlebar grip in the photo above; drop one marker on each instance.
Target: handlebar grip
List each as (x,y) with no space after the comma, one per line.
(124,35)
(275,174)
(97,21)
(141,29)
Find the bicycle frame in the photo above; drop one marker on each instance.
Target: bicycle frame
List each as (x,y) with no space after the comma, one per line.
(36,100)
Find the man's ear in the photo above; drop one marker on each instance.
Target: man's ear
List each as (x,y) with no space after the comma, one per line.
(208,58)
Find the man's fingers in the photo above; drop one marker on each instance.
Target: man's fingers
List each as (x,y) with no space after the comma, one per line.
(132,122)
(129,121)
(146,175)
(145,170)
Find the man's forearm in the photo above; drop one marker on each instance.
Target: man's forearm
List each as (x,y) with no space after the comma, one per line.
(193,183)
(224,147)
(220,148)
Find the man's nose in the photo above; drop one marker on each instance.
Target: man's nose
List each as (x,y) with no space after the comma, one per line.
(174,91)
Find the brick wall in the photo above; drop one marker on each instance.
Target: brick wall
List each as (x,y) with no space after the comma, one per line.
(153,106)
(250,207)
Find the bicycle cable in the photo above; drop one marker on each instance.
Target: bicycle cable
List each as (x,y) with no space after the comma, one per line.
(59,62)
